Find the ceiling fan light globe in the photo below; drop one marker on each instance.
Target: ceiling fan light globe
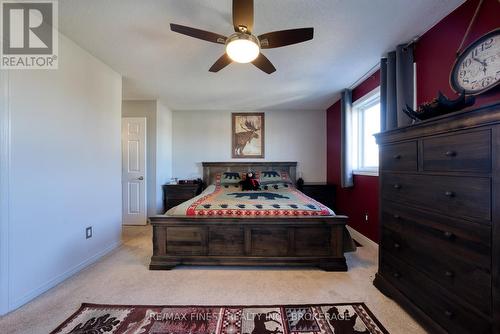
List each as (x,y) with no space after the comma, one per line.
(242,48)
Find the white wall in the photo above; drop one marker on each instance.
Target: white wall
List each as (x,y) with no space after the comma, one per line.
(290,136)
(64,171)
(4,191)
(164,151)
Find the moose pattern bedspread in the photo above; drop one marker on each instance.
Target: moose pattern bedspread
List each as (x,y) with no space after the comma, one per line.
(278,200)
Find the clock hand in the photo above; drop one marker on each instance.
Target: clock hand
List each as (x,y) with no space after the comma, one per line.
(483,62)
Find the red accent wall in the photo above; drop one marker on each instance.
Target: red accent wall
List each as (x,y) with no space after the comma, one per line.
(435,51)
(363,197)
(435,56)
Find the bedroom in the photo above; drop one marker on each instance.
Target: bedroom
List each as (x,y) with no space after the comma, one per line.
(82,209)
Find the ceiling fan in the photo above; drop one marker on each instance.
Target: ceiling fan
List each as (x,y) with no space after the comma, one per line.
(242,46)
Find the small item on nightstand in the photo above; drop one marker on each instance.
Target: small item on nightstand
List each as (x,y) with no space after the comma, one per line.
(173,180)
(197,181)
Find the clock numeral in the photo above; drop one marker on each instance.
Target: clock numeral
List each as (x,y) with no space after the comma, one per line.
(466,63)
(487,44)
(483,46)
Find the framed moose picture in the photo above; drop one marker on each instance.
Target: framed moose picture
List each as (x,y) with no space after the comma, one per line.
(248,135)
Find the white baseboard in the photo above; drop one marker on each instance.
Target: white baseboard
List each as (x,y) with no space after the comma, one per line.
(64,276)
(366,242)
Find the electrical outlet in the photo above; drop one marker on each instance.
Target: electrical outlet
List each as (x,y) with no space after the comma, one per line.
(366,217)
(88,232)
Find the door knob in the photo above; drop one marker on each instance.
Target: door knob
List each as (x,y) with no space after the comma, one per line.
(140,178)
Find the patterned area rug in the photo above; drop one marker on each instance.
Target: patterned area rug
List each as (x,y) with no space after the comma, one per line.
(351,318)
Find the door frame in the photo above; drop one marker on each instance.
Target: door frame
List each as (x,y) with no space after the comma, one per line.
(146,175)
(5,141)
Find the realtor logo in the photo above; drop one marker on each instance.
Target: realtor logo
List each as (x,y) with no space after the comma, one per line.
(29,34)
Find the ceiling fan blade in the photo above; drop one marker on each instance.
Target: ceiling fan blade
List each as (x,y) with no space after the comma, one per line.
(281,38)
(243,14)
(197,33)
(264,64)
(222,62)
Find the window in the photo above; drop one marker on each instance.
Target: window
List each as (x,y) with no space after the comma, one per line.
(365,123)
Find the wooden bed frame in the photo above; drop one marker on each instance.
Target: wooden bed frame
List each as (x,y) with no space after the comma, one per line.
(274,241)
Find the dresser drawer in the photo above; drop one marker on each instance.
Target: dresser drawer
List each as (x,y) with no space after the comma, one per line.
(464,238)
(458,274)
(469,152)
(399,157)
(468,197)
(430,298)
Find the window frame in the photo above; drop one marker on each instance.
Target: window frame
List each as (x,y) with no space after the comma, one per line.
(361,104)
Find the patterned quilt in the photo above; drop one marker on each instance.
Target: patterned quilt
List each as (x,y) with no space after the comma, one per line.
(230,201)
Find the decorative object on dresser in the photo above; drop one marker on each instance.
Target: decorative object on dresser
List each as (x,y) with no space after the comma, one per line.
(175,194)
(322,192)
(247,135)
(476,69)
(439,106)
(440,217)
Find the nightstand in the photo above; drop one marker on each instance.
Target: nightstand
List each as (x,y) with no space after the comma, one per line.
(321,192)
(175,194)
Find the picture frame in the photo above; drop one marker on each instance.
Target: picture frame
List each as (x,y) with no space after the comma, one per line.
(248,135)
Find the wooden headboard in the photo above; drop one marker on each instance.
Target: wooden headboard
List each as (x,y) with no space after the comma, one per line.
(210,169)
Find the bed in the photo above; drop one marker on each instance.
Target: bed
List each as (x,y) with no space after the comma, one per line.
(275,226)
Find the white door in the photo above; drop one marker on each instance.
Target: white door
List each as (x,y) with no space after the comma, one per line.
(134,170)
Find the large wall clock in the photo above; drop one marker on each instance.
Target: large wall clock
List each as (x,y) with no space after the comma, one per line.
(477,68)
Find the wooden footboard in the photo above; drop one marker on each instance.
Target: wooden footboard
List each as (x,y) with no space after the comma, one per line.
(293,241)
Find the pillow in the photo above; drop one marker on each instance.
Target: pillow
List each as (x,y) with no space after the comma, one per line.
(230,178)
(273,176)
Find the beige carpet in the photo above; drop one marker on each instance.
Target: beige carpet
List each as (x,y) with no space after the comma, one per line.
(123,277)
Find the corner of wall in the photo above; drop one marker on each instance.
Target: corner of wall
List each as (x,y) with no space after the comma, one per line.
(164,137)
(4,190)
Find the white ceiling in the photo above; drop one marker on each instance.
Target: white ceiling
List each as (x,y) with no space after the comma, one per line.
(350,36)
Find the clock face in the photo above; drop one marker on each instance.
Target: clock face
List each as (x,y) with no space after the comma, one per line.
(478,68)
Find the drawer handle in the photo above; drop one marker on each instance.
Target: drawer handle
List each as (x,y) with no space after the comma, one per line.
(449,194)
(397,156)
(448,313)
(396,275)
(397,186)
(397,217)
(449,274)
(397,246)
(451,153)
(448,235)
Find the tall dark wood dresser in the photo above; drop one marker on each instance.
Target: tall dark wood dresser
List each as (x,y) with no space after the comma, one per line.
(440,218)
